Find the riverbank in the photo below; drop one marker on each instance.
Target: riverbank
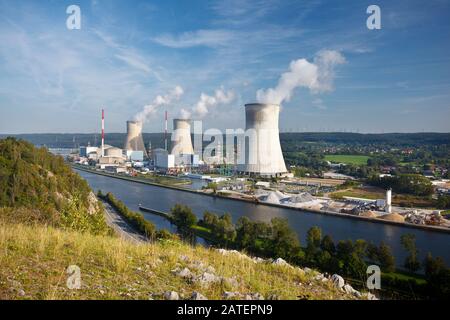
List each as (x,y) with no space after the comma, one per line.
(324,212)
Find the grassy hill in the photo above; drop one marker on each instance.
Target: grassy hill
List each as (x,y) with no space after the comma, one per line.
(33,263)
(36,186)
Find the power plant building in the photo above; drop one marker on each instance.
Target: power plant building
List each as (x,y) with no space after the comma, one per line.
(181,137)
(134,140)
(263,155)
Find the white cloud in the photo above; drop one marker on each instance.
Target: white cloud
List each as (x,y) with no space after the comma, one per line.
(160,100)
(208,38)
(317,76)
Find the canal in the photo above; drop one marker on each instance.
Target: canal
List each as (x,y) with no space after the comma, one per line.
(340,228)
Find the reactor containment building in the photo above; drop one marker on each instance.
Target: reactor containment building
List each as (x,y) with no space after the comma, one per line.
(262,154)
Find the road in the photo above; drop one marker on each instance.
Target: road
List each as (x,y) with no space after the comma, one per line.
(121,226)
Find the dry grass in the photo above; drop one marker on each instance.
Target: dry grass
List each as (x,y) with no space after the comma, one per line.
(34,259)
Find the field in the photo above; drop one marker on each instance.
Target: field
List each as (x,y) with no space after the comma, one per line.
(347,159)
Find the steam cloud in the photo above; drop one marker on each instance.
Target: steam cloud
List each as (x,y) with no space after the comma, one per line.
(317,76)
(160,100)
(206,102)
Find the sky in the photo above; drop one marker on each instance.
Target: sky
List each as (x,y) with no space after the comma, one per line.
(207,59)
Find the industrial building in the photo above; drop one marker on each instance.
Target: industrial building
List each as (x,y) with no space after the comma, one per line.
(134,140)
(181,137)
(263,156)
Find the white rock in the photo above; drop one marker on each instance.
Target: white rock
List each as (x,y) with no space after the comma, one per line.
(171,295)
(229,295)
(207,278)
(338,281)
(371,296)
(348,289)
(259,260)
(280,262)
(185,273)
(198,296)
(257,296)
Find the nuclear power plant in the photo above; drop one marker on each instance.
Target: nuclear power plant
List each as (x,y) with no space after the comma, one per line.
(263,156)
(134,140)
(181,137)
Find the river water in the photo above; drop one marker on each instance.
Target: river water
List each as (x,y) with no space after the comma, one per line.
(340,228)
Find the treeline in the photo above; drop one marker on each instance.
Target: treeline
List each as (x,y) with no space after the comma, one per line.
(346,257)
(45,189)
(136,219)
(404,183)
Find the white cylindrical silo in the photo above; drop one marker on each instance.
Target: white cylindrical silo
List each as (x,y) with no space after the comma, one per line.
(263,155)
(181,137)
(388,207)
(134,140)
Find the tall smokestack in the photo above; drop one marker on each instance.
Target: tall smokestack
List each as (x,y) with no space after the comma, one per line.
(181,137)
(103,132)
(134,140)
(263,155)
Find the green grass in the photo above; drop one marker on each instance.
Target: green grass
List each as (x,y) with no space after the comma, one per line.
(35,258)
(347,159)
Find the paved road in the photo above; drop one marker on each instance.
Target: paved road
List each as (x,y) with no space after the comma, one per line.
(121,226)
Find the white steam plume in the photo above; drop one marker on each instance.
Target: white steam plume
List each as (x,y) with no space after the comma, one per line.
(207,102)
(160,100)
(317,76)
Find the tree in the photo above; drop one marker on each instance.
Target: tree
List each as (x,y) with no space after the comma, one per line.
(327,244)
(284,241)
(408,242)
(183,216)
(313,239)
(438,277)
(386,258)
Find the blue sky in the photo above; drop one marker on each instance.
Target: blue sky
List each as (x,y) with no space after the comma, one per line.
(52,79)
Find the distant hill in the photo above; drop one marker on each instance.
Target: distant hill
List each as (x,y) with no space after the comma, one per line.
(61,140)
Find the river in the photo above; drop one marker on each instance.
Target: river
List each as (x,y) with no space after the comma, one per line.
(340,228)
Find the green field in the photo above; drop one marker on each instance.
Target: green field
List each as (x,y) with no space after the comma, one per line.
(347,158)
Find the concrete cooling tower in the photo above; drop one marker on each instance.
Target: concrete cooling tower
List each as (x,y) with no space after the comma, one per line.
(181,137)
(263,156)
(134,139)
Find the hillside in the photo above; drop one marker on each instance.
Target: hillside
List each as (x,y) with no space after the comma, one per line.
(33,262)
(38,187)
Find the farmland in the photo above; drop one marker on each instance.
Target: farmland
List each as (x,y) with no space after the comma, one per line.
(347,159)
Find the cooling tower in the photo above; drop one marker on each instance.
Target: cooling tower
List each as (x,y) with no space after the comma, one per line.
(263,156)
(181,137)
(134,139)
